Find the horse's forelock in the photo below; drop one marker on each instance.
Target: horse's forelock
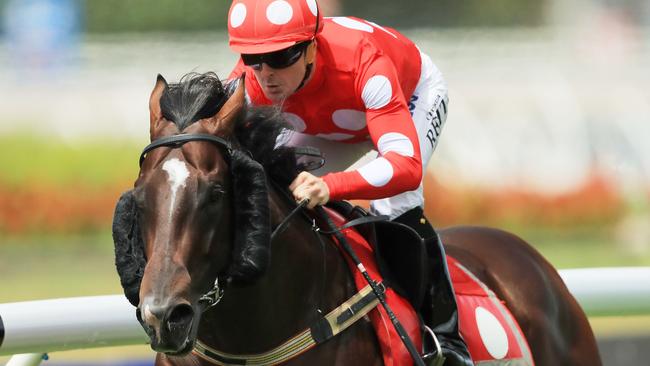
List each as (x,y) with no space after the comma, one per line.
(199,96)
(195,97)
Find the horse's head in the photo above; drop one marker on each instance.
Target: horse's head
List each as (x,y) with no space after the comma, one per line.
(198,212)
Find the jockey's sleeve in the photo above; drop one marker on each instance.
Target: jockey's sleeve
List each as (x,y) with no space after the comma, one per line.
(398,167)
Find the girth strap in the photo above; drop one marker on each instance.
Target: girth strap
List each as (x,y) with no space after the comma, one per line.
(324,329)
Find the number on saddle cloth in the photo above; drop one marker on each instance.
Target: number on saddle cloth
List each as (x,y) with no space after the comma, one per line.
(399,250)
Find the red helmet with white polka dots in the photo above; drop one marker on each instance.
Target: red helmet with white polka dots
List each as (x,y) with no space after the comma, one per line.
(261,26)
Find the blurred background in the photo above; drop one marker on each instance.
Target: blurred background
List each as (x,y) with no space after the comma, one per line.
(546,136)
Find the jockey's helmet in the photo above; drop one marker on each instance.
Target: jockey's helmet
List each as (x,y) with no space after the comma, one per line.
(263,26)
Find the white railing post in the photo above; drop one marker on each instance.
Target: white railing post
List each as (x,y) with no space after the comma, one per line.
(65,324)
(104,321)
(27,359)
(611,290)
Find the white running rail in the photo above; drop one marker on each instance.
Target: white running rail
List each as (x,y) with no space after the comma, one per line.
(31,329)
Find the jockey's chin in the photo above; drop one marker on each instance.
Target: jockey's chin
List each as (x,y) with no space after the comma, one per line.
(279,84)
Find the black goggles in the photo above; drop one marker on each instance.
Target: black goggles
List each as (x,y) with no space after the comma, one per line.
(278,59)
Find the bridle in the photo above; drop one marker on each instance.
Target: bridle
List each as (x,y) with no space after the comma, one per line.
(214,295)
(325,327)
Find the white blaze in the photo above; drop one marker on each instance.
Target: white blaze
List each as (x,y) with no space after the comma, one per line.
(178,174)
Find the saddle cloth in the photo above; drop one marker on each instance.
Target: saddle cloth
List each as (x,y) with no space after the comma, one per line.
(487,326)
(491,332)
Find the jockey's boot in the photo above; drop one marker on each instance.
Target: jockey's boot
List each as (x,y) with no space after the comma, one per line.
(439,310)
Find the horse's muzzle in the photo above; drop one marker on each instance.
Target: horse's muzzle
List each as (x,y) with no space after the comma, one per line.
(170,329)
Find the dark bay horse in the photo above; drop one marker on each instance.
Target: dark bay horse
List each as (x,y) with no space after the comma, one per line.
(202,209)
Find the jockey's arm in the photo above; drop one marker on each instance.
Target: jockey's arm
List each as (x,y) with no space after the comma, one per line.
(398,167)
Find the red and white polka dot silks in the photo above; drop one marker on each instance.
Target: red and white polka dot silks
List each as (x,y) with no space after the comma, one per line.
(260,26)
(363,78)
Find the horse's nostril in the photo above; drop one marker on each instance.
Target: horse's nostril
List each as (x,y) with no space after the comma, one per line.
(181,315)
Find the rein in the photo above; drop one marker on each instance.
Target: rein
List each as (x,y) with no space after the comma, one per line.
(375,287)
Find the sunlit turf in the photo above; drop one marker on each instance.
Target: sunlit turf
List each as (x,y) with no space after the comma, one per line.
(49,266)
(583,247)
(26,158)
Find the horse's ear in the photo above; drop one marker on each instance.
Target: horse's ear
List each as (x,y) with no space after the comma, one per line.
(155,112)
(224,121)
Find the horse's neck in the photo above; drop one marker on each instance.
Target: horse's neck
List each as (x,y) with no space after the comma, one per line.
(307,278)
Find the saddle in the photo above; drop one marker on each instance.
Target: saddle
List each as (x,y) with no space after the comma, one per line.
(491,332)
(399,251)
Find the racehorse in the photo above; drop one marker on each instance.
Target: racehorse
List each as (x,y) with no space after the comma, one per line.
(211,189)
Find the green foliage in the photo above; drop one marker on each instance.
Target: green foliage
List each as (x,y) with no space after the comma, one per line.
(155,15)
(42,267)
(31,159)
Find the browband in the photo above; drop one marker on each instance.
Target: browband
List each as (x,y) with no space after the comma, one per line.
(179,140)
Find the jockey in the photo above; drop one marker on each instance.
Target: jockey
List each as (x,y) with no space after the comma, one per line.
(348,87)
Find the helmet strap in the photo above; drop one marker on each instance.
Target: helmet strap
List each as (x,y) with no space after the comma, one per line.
(317,20)
(310,66)
(308,71)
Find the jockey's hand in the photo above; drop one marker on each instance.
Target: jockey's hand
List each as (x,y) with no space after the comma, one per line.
(307,185)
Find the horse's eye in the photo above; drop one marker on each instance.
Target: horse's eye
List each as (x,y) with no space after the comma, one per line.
(216,191)
(139,199)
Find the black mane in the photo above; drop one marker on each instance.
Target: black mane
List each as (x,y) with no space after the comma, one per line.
(197,96)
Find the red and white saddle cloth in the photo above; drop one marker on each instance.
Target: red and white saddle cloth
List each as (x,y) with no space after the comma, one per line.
(487,326)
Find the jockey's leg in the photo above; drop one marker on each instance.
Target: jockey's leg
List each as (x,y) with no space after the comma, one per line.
(439,310)
(415,219)
(440,304)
